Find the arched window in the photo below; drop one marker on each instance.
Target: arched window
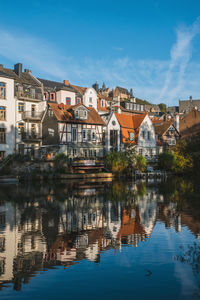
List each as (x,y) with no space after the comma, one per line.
(2,90)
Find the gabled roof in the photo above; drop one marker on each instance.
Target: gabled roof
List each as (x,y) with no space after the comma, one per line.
(79,89)
(122,90)
(101,108)
(25,78)
(64,114)
(161,129)
(56,85)
(130,121)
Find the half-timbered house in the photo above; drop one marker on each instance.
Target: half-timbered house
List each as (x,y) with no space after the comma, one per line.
(77,129)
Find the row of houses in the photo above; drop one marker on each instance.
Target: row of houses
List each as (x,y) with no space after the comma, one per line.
(40,116)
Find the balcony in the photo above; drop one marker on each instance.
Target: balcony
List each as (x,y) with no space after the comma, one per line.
(35,97)
(32,116)
(31,137)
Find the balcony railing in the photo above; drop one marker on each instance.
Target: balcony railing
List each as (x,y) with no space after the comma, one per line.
(30,136)
(29,96)
(32,115)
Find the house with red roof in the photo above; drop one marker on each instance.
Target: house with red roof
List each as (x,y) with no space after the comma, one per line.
(135,129)
(77,130)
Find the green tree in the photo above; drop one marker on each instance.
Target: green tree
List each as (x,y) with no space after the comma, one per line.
(162,107)
(141,163)
(167,161)
(117,162)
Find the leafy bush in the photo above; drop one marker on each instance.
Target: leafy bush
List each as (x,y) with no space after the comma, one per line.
(61,162)
(117,162)
(141,163)
(167,161)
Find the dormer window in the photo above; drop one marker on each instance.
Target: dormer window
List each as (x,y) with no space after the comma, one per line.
(131,136)
(76,114)
(81,113)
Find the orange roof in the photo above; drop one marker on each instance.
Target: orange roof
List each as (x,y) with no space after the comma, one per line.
(125,135)
(101,108)
(130,121)
(66,114)
(79,89)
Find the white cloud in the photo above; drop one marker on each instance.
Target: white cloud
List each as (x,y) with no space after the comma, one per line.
(154,80)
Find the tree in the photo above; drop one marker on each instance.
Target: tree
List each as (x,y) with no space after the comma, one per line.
(162,107)
(141,163)
(167,161)
(117,162)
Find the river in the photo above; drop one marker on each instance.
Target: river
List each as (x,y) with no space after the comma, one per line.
(118,240)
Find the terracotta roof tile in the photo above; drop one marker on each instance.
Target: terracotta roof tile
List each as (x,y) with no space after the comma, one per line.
(66,114)
(130,121)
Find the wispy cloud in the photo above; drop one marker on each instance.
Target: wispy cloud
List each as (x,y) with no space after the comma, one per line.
(154,80)
(181,53)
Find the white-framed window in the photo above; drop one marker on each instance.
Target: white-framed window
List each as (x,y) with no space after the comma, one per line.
(90,99)
(148,135)
(143,134)
(20,128)
(2,113)
(131,136)
(74,134)
(21,107)
(89,135)
(93,135)
(84,134)
(2,90)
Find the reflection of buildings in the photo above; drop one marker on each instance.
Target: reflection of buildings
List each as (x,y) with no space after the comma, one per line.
(41,231)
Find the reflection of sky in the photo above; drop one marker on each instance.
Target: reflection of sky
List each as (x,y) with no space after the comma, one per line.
(122,273)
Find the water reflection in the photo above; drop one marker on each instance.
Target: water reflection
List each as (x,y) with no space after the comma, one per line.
(51,225)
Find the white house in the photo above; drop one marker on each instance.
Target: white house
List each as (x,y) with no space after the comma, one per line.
(7,115)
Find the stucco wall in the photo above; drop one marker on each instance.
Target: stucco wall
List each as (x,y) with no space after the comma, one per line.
(90,93)
(9,124)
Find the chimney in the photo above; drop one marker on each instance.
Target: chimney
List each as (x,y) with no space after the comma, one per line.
(190,98)
(66,82)
(18,69)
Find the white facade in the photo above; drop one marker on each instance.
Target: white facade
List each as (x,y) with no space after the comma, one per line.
(114,125)
(9,123)
(63,95)
(90,98)
(147,145)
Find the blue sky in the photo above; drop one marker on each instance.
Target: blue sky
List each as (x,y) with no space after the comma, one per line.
(151,46)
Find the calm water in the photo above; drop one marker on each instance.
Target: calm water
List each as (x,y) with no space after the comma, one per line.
(100,241)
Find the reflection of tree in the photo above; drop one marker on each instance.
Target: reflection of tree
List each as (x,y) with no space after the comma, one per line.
(191,257)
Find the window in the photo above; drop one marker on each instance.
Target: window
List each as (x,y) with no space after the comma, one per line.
(74,134)
(78,100)
(20,107)
(74,152)
(89,135)
(143,134)
(142,107)
(85,153)
(84,134)
(102,103)
(149,135)
(2,90)
(76,113)
(33,129)
(95,153)
(32,93)
(2,113)
(2,135)
(131,136)
(94,135)
(52,96)
(140,151)
(81,114)
(90,99)
(46,95)
(20,128)
(90,153)
(2,154)
(68,101)
(151,152)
